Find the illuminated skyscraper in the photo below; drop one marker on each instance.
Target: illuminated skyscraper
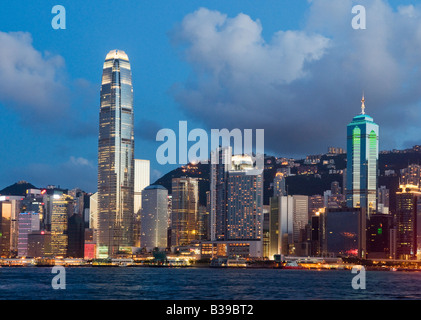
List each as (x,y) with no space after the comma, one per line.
(28,222)
(185,210)
(154,219)
(244,200)
(141,181)
(362,162)
(406,221)
(62,206)
(116,157)
(221,164)
(5,228)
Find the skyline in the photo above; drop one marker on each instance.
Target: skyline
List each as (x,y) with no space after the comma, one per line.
(46,151)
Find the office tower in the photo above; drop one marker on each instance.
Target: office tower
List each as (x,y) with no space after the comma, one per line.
(383,196)
(315,203)
(292,220)
(300,216)
(28,222)
(220,165)
(316,235)
(362,162)
(286,222)
(93,212)
(76,236)
(49,195)
(62,207)
(411,175)
(273,227)
(154,218)
(115,157)
(81,204)
(15,206)
(279,187)
(378,236)
(185,207)
(244,200)
(202,222)
(39,244)
(141,181)
(34,202)
(5,228)
(343,232)
(406,221)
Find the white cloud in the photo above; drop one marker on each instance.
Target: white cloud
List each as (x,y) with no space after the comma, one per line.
(29,80)
(303,86)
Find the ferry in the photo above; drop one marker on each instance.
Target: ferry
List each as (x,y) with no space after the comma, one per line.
(292,265)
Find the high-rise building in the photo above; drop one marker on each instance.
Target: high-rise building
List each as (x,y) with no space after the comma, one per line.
(5,228)
(315,203)
(383,197)
(244,200)
(185,209)
(289,218)
(343,232)
(141,181)
(406,221)
(62,207)
(93,213)
(362,162)
(411,175)
(220,165)
(76,236)
(154,218)
(116,157)
(279,187)
(15,202)
(28,222)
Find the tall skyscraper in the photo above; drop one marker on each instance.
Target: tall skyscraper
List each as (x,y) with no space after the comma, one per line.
(28,222)
(141,181)
(154,218)
(116,157)
(62,207)
(220,165)
(362,162)
(406,221)
(244,200)
(5,228)
(185,210)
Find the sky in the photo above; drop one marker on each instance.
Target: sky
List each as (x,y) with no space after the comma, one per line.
(295,68)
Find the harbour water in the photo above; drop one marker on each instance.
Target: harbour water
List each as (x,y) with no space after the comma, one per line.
(89,283)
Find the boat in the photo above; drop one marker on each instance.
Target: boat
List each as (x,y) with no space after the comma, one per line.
(292,265)
(44,262)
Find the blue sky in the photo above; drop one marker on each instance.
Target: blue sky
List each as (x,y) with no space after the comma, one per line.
(301,69)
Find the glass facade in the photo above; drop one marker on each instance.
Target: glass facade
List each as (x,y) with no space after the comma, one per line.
(116,157)
(185,209)
(362,163)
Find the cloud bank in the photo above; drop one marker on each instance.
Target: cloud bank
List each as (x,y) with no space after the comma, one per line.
(304,86)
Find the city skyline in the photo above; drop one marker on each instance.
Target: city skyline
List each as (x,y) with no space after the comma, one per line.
(44,151)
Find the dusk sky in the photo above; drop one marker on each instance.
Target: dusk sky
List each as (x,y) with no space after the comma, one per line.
(295,68)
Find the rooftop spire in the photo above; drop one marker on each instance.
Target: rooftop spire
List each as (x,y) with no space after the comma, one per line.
(363,105)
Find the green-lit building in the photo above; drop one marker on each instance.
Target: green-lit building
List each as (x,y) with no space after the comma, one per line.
(362,162)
